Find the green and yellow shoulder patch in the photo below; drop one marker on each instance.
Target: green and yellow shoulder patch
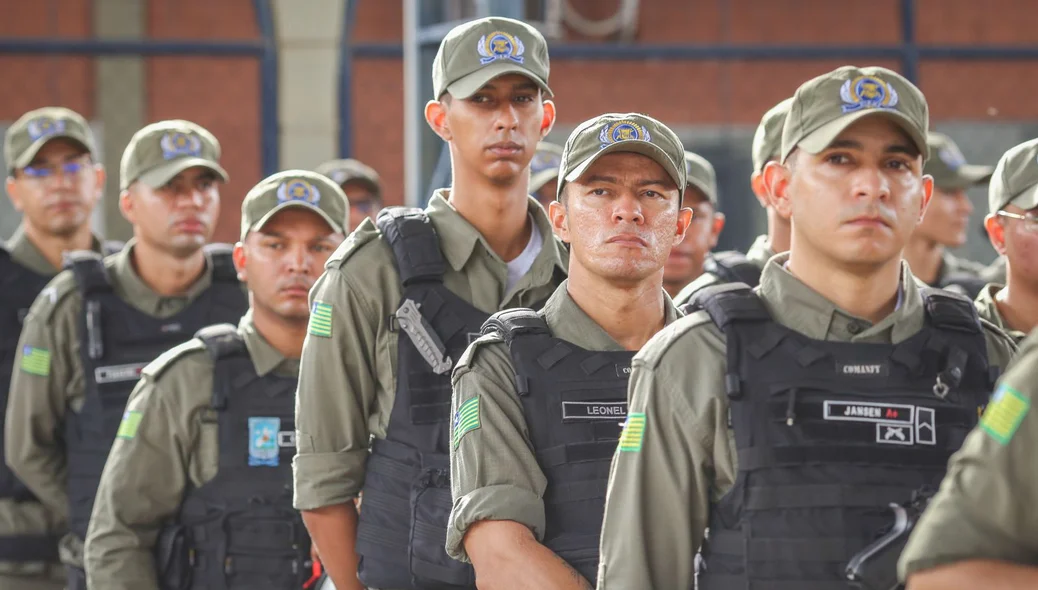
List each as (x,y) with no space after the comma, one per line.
(634,431)
(466,419)
(35,361)
(128,427)
(321,319)
(1004,414)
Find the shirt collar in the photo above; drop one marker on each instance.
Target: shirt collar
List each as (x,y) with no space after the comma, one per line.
(132,288)
(24,252)
(265,358)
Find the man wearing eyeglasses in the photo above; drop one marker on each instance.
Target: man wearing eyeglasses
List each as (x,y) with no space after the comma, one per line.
(361,184)
(95,326)
(54,180)
(690,258)
(1012,226)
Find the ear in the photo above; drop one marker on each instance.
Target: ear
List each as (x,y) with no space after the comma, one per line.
(12,192)
(436,117)
(996,233)
(126,206)
(100,175)
(684,220)
(927,194)
(559,220)
(777,179)
(715,229)
(238,255)
(759,189)
(548,121)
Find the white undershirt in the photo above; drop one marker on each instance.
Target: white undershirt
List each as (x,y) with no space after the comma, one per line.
(521,264)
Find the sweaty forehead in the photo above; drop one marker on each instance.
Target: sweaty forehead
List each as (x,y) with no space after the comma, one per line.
(626,167)
(877,128)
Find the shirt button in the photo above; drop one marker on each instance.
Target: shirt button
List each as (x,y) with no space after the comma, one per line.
(855,328)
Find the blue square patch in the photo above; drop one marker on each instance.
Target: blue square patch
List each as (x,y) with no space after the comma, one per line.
(263,442)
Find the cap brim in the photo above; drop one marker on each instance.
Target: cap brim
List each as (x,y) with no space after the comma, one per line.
(703,188)
(966,176)
(258,225)
(542,178)
(27,156)
(466,86)
(163,173)
(820,138)
(1026,200)
(636,147)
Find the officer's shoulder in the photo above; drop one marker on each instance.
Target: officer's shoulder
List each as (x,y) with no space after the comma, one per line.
(363,247)
(59,293)
(701,282)
(693,334)
(1003,344)
(486,351)
(186,358)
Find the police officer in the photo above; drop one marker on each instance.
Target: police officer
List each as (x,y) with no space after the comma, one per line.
(531,437)
(787,418)
(690,258)
(56,179)
(544,172)
(96,325)
(946,221)
(398,304)
(726,267)
(201,465)
(362,186)
(980,530)
(1012,226)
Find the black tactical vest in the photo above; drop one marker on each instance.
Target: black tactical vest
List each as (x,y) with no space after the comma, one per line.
(732,267)
(19,287)
(239,530)
(116,342)
(575,403)
(407,498)
(828,434)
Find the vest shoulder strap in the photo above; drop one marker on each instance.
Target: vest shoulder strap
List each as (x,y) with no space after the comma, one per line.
(223,262)
(727,303)
(733,267)
(950,311)
(964,283)
(89,271)
(416,248)
(511,323)
(221,341)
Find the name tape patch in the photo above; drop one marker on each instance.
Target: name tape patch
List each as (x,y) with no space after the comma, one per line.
(117,373)
(863,369)
(896,424)
(623,371)
(868,412)
(594,411)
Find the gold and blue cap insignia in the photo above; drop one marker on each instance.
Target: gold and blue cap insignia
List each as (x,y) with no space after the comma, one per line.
(621,132)
(1015,180)
(295,188)
(826,105)
(949,167)
(160,151)
(474,53)
(26,136)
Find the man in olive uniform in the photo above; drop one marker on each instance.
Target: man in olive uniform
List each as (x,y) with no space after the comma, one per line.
(402,299)
(544,172)
(208,428)
(96,325)
(619,208)
(691,258)
(55,180)
(946,222)
(1012,225)
(362,186)
(727,267)
(980,530)
(786,419)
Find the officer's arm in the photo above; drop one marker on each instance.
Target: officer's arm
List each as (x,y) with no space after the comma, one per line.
(141,488)
(507,556)
(337,389)
(973,574)
(43,367)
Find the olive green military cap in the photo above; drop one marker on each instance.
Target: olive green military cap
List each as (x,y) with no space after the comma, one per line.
(767,141)
(478,51)
(700,173)
(824,106)
(1015,180)
(545,165)
(350,170)
(621,132)
(948,166)
(294,188)
(26,136)
(162,150)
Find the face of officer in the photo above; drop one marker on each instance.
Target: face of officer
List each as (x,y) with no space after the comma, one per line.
(856,202)
(946,221)
(621,218)
(494,132)
(685,261)
(1017,240)
(178,217)
(57,190)
(281,261)
(364,203)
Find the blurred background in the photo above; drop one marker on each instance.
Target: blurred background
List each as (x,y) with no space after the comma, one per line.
(292,83)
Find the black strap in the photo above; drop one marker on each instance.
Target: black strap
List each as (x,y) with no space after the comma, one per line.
(733,267)
(29,548)
(950,311)
(755,458)
(221,341)
(222,258)
(89,270)
(416,248)
(730,302)
(822,496)
(514,322)
(783,549)
(709,580)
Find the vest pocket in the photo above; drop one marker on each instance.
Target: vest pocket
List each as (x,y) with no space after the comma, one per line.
(430,511)
(172,558)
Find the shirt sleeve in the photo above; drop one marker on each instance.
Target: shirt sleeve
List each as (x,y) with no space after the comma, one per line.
(494,472)
(984,509)
(337,393)
(141,488)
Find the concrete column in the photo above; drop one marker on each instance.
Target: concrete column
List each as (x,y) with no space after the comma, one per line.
(120,95)
(308,40)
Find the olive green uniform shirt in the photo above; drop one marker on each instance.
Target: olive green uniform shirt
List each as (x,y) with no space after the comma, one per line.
(175,448)
(659,499)
(31,518)
(955,265)
(36,410)
(985,506)
(995,272)
(494,470)
(759,254)
(988,310)
(347,379)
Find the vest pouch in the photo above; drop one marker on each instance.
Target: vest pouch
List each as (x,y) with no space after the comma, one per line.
(383,530)
(431,506)
(173,561)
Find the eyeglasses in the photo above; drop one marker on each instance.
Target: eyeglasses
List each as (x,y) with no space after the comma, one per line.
(70,169)
(1030,219)
(363,206)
